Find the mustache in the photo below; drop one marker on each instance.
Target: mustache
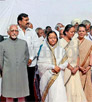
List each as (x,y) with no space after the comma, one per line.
(14,34)
(27,24)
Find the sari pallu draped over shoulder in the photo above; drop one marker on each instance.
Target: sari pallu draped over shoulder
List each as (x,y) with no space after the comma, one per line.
(85,49)
(54,76)
(73,85)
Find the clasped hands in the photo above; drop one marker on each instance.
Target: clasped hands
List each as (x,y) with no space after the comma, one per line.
(74,70)
(84,70)
(56,69)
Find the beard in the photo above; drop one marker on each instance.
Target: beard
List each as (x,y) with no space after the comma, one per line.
(14,36)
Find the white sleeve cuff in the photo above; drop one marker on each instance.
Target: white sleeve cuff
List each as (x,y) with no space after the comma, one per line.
(31,57)
(63,66)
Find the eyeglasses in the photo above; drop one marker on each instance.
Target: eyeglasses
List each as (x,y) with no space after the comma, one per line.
(13,30)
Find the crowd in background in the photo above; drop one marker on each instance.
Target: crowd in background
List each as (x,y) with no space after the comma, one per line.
(48,65)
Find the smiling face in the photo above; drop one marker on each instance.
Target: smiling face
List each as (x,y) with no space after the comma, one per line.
(52,39)
(13,32)
(70,33)
(81,32)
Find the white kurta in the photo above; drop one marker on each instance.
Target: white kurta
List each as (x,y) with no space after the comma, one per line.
(57,91)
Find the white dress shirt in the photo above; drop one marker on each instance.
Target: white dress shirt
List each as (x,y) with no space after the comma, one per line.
(33,43)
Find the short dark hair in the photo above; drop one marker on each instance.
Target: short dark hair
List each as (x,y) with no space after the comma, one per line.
(81,25)
(47,27)
(20,17)
(50,33)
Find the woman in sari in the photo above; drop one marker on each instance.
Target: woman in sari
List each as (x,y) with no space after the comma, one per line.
(85,52)
(51,64)
(71,76)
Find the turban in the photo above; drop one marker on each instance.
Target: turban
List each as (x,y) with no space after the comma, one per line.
(73,22)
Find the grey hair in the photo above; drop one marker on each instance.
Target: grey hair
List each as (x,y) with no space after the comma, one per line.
(86,22)
(57,26)
(37,29)
(8,29)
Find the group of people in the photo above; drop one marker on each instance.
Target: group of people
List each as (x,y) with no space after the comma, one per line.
(63,57)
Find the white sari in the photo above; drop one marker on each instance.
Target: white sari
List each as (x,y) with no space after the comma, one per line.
(57,91)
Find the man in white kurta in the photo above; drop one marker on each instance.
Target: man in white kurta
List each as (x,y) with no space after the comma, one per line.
(89,37)
(29,35)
